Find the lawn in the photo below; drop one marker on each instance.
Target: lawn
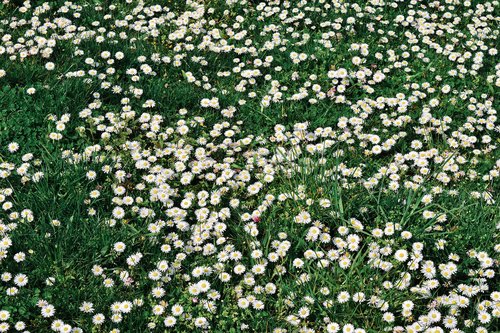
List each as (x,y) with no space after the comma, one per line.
(249,166)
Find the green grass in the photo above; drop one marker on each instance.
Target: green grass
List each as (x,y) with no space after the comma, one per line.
(465,220)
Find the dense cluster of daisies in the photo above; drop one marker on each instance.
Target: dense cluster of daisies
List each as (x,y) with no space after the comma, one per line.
(234,228)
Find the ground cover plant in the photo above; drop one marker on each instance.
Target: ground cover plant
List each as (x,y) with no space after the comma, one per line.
(249,166)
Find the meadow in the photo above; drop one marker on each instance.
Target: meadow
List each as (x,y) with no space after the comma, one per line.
(249,166)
